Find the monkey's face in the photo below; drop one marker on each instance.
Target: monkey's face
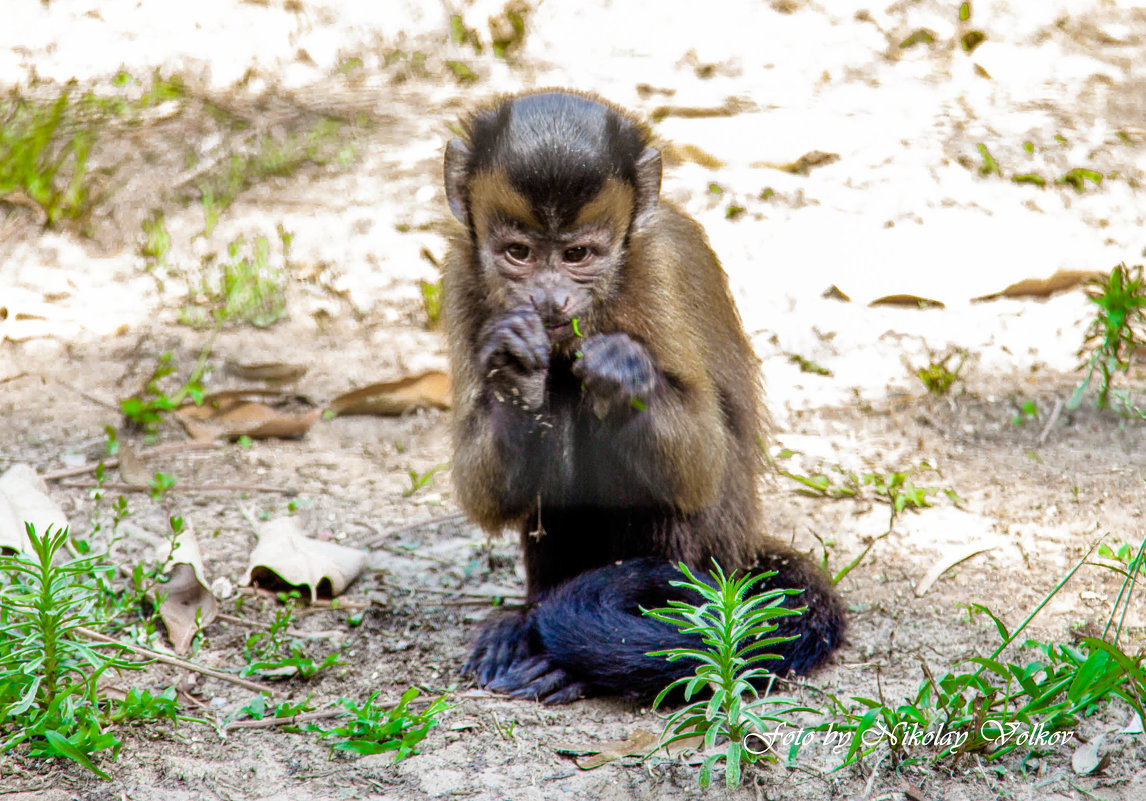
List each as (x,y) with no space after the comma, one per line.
(527,258)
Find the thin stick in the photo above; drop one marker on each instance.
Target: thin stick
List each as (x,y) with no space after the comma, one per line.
(270,723)
(378,539)
(120,487)
(177,662)
(1050,422)
(158,450)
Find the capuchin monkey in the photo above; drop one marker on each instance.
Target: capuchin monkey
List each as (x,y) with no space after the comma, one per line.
(607,403)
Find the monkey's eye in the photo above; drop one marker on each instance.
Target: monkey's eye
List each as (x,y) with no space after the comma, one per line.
(518,253)
(576,255)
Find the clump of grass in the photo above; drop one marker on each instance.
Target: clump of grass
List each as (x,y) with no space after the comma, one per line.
(432,301)
(245,288)
(1116,331)
(44,153)
(321,143)
(999,706)
(938,377)
(734,626)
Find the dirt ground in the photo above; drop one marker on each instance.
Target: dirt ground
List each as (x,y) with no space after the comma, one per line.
(896,203)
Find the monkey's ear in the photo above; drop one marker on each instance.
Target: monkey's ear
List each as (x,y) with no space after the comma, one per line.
(648,183)
(457,159)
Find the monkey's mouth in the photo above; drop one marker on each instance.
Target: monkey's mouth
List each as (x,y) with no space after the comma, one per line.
(559,331)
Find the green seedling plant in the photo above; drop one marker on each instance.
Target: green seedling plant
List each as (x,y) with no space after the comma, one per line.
(735,627)
(245,288)
(432,300)
(1114,334)
(49,671)
(420,480)
(44,156)
(373,728)
(938,377)
(147,409)
(277,652)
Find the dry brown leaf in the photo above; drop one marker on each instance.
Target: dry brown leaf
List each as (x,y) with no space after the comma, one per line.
(912,301)
(24,499)
(227,415)
(943,565)
(284,554)
(131,468)
(272,372)
(397,397)
(188,605)
(1087,758)
(640,743)
(1045,287)
(802,165)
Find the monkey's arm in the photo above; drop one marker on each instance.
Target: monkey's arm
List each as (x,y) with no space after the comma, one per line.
(504,437)
(665,427)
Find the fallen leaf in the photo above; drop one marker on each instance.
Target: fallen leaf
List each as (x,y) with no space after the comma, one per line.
(640,743)
(802,165)
(284,554)
(1086,759)
(397,397)
(944,564)
(271,372)
(227,415)
(1045,287)
(131,468)
(913,301)
(24,499)
(188,606)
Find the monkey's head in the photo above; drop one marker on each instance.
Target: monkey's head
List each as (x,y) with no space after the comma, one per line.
(550,185)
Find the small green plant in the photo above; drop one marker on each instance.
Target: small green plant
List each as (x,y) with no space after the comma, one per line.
(734,625)
(1078,177)
(807,366)
(938,377)
(146,409)
(245,288)
(432,300)
(156,241)
(1116,331)
(1026,412)
(988,166)
(277,652)
(44,152)
(49,672)
(418,481)
(140,705)
(374,728)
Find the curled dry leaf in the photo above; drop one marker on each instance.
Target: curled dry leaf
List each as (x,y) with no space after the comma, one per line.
(640,743)
(284,554)
(397,397)
(1045,287)
(187,605)
(942,565)
(1087,758)
(910,301)
(24,499)
(227,415)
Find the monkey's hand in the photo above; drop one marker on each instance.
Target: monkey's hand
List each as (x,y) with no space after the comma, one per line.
(618,373)
(514,356)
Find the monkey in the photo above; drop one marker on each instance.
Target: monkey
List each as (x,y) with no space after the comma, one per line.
(607,403)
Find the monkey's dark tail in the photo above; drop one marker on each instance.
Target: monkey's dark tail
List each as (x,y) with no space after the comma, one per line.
(592,625)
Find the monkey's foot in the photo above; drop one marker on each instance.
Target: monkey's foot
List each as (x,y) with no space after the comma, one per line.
(538,679)
(506,659)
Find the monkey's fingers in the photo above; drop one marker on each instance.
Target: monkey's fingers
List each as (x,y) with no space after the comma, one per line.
(520,674)
(518,337)
(616,368)
(501,645)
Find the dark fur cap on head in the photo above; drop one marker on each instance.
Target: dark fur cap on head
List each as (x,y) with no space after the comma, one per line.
(556,148)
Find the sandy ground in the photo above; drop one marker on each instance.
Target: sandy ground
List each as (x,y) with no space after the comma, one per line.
(738,91)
